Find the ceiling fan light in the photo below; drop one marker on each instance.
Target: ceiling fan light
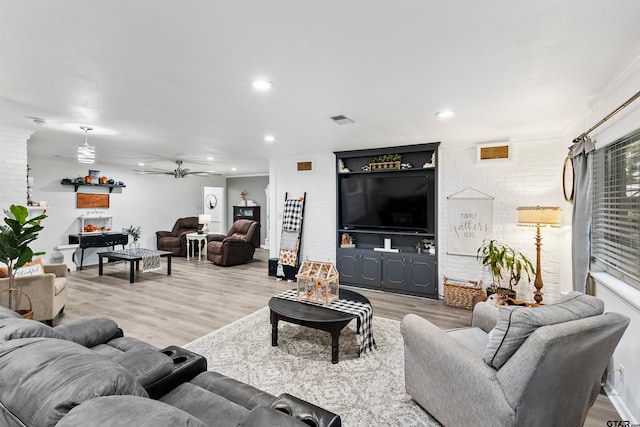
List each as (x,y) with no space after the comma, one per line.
(86,152)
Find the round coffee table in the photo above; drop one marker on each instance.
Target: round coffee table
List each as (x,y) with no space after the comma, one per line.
(314,316)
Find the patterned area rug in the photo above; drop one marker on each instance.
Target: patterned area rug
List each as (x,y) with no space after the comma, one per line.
(365,391)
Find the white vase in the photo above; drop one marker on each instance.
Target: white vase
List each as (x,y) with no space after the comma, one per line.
(134,245)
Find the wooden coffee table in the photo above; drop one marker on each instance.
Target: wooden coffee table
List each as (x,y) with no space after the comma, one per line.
(132,259)
(314,316)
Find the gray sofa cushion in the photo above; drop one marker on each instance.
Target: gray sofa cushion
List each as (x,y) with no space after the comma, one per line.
(515,323)
(14,328)
(210,408)
(42,379)
(118,411)
(5,312)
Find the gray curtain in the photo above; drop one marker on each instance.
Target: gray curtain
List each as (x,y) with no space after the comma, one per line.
(582,201)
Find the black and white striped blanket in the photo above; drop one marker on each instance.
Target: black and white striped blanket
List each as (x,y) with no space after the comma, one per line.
(363,311)
(150,259)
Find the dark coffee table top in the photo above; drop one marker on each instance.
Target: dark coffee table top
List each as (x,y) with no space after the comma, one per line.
(127,257)
(315,313)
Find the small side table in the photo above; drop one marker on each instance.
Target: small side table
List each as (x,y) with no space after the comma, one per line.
(201,240)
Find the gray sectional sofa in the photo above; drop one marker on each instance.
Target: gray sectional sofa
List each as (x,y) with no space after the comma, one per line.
(87,373)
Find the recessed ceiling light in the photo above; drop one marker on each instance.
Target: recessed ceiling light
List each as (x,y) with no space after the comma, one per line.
(262,84)
(234,169)
(269,138)
(210,158)
(445,114)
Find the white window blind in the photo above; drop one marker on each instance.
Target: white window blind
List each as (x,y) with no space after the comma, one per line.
(615,232)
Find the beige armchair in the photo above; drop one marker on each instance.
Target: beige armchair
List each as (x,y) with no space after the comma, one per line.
(48,292)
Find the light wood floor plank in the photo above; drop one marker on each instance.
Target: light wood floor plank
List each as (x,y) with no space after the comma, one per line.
(200,297)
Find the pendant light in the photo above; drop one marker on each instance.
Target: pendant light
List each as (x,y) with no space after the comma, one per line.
(86,152)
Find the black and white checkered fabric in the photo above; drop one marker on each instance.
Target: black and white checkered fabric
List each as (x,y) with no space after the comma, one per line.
(292,215)
(363,311)
(150,259)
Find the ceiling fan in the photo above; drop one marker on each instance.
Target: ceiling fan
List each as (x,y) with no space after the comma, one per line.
(178,172)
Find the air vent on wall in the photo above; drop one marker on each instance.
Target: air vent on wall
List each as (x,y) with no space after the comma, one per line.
(341,120)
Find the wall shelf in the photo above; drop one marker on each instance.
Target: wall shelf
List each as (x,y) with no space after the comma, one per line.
(109,186)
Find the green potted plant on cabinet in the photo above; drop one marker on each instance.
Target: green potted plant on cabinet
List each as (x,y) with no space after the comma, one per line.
(15,236)
(507,266)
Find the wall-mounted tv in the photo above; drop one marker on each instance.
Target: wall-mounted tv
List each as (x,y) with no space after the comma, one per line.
(398,202)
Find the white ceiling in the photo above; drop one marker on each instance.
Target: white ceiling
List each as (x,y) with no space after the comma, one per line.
(162,80)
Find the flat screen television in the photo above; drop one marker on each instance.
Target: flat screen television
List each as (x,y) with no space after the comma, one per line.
(398,202)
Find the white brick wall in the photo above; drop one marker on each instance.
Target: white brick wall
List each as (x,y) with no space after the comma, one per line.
(13,166)
(531,177)
(319,228)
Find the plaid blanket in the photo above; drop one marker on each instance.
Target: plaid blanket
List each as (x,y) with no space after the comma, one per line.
(292,218)
(150,260)
(363,311)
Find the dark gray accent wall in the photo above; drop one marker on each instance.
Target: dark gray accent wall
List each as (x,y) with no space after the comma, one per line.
(254,186)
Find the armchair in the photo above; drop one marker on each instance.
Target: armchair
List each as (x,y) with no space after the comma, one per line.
(175,241)
(48,291)
(539,366)
(237,246)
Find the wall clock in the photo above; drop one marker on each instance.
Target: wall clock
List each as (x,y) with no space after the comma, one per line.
(211,201)
(567,179)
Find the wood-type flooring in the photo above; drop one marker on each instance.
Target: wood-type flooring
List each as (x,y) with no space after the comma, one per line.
(200,297)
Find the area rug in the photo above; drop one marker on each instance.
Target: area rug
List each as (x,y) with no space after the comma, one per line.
(364,391)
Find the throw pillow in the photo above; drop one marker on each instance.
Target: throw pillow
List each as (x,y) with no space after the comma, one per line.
(32,268)
(515,324)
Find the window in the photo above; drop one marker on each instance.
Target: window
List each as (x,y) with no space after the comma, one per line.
(615,232)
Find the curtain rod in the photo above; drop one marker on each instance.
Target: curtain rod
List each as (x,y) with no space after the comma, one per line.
(611,114)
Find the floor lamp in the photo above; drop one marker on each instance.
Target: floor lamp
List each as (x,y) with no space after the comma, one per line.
(538,216)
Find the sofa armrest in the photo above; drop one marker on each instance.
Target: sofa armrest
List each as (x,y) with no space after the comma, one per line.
(266,416)
(438,367)
(306,412)
(60,270)
(216,237)
(163,233)
(90,332)
(485,316)
(236,241)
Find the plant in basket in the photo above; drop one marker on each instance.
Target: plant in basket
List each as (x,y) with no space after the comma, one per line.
(15,236)
(505,264)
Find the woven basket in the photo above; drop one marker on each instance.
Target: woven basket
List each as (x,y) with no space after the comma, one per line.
(27,314)
(460,293)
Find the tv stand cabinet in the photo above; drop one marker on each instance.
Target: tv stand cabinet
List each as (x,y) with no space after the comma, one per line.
(405,271)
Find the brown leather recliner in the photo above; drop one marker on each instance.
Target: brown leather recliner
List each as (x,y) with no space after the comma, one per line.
(175,241)
(237,247)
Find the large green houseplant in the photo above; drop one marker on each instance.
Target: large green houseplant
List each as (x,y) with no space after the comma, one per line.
(15,236)
(507,266)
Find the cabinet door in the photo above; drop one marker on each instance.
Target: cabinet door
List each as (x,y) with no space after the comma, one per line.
(347,263)
(394,272)
(359,267)
(411,273)
(421,275)
(370,269)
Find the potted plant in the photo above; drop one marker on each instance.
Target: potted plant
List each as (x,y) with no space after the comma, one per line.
(15,236)
(507,266)
(135,233)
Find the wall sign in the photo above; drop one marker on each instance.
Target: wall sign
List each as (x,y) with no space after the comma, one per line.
(470,221)
(89,200)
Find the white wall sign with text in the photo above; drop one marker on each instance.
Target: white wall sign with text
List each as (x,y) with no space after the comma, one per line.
(470,221)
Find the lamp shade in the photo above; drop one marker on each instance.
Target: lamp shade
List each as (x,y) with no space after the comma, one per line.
(204,219)
(543,215)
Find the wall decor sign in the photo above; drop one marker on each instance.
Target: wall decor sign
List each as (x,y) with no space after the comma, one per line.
(470,221)
(87,200)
